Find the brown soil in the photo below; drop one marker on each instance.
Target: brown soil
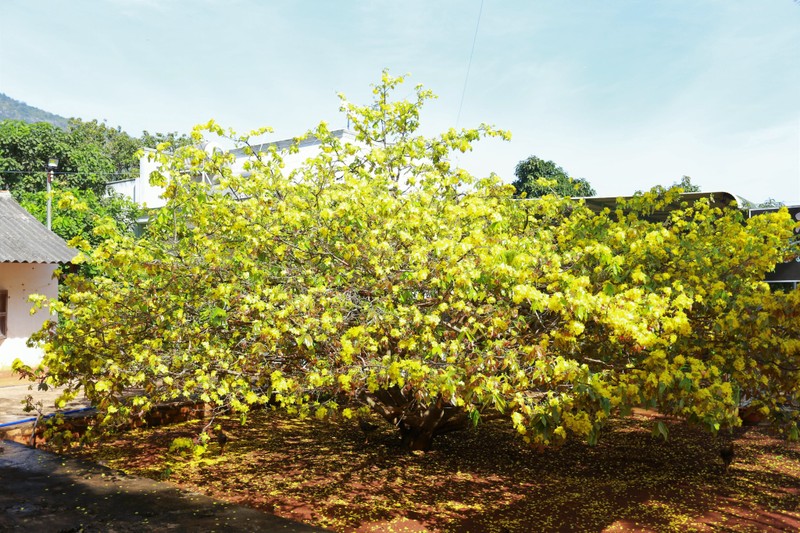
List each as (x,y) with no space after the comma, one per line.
(484,480)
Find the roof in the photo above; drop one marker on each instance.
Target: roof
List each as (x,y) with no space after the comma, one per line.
(717,199)
(310,140)
(23,239)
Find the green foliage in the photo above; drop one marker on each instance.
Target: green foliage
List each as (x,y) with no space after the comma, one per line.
(687,185)
(26,148)
(537,177)
(90,154)
(771,202)
(172,140)
(377,276)
(187,447)
(76,213)
(117,145)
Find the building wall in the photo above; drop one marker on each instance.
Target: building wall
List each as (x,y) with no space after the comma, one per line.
(21,280)
(142,192)
(139,189)
(126,188)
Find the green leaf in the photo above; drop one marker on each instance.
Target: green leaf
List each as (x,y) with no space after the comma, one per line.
(593,437)
(217,316)
(605,403)
(660,429)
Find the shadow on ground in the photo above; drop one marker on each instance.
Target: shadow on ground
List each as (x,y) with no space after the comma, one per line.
(40,491)
(484,480)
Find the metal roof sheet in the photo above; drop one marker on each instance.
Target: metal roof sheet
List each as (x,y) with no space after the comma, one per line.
(23,239)
(286,143)
(717,199)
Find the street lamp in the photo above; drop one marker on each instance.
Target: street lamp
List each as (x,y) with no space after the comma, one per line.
(52,164)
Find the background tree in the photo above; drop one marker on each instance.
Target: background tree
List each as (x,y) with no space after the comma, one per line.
(376,277)
(530,171)
(114,143)
(771,202)
(90,155)
(173,139)
(76,213)
(687,185)
(26,148)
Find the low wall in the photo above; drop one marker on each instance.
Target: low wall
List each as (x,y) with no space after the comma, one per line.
(78,422)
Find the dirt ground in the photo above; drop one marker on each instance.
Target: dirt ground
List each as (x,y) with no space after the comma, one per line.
(484,480)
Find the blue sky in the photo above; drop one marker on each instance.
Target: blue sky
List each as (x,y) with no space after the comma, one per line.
(625,93)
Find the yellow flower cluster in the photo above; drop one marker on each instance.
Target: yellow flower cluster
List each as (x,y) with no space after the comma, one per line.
(377,275)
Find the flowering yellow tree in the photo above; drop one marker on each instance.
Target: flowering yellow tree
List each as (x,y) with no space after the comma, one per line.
(379,276)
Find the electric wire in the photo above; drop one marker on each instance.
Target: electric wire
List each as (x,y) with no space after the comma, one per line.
(65,173)
(469,66)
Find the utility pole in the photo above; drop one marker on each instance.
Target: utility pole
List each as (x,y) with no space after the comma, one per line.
(52,164)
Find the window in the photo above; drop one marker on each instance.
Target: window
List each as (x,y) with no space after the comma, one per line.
(3,313)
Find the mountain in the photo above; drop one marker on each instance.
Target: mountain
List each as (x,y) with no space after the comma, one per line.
(14,109)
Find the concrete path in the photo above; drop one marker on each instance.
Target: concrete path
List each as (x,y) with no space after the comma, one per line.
(12,398)
(40,491)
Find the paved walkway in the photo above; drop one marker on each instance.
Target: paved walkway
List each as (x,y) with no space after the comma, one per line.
(41,491)
(12,398)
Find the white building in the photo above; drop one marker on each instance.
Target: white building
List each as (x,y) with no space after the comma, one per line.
(29,254)
(142,192)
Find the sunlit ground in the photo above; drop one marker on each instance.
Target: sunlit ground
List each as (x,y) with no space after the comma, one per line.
(484,479)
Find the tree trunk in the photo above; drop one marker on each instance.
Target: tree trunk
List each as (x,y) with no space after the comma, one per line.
(415,438)
(417,429)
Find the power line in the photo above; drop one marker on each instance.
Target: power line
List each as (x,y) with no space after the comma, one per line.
(65,173)
(469,65)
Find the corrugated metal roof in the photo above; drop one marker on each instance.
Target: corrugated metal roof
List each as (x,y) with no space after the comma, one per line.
(717,199)
(23,239)
(286,143)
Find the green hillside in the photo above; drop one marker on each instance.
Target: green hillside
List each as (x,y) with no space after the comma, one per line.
(14,109)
